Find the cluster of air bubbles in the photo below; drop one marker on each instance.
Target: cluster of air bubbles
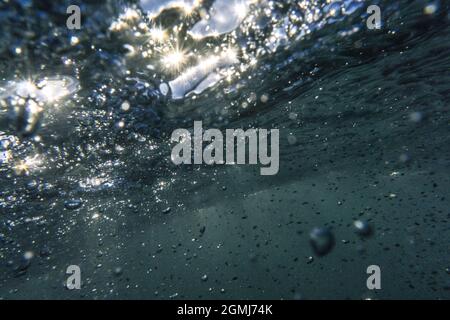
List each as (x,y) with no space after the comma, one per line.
(26,100)
(322,239)
(244,31)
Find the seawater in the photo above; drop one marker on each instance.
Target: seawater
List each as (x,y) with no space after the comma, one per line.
(364,145)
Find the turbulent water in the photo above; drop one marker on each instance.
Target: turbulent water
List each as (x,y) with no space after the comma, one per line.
(87,179)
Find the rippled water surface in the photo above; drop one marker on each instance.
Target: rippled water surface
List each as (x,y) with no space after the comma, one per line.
(87,179)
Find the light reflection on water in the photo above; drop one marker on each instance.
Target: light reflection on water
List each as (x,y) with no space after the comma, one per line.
(96,172)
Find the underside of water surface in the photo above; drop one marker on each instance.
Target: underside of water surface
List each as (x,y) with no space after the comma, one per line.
(86,176)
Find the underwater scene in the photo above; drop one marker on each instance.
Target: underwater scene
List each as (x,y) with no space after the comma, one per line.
(224,149)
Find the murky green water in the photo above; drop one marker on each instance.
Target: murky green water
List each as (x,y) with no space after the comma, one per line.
(364,136)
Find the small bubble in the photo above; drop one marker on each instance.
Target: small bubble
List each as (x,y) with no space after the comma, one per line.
(322,241)
(74,41)
(264,98)
(404,158)
(118,271)
(25,261)
(173,296)
(125,106)
(430,9)
(32,185)
(120,124)
(291,139)
(416,117)
(73,204)
(28,255)
(363,228)
(164,89)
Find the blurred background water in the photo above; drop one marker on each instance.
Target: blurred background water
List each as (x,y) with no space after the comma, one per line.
(85,171)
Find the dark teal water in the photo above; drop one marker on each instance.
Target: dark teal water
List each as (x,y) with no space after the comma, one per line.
(364,135)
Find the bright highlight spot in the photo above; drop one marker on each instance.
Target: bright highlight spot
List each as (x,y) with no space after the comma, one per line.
(174,60)
(157,34)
